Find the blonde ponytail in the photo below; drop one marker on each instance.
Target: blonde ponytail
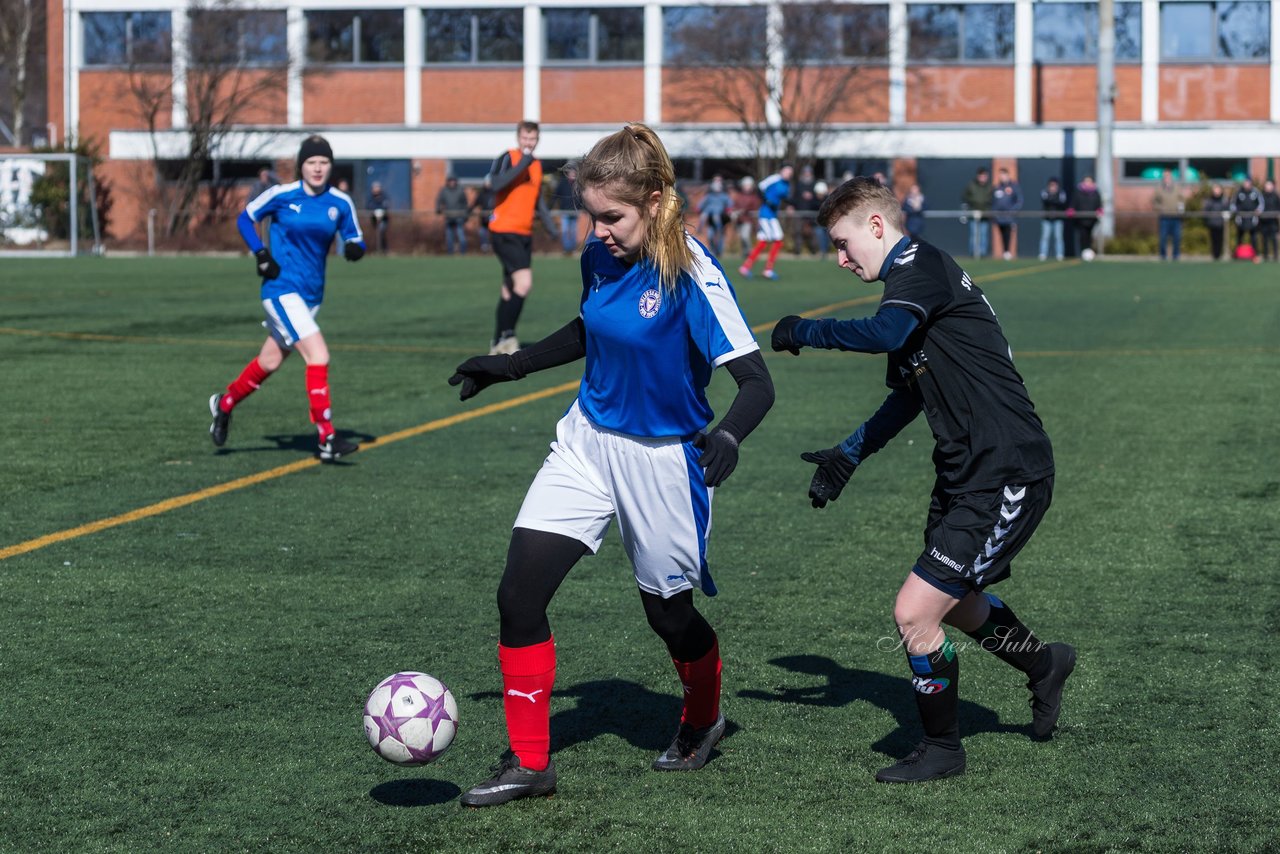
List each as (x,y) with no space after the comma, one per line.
(631,165)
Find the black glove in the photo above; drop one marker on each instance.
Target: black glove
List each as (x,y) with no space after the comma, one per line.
(479,372)
(352,251)
(719,455)
(267,266)
(784,335)
(834,470)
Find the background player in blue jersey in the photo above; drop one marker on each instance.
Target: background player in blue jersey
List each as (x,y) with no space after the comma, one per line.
(774,192)
(657,317)
(948,357)
(305,216)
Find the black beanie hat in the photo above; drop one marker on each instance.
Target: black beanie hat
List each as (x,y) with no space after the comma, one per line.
(314,146)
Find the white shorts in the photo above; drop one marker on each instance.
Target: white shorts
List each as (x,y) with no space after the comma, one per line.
(769,230)
(289,319)
(654,487)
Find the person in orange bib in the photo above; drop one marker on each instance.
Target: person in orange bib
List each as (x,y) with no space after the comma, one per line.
(516,181)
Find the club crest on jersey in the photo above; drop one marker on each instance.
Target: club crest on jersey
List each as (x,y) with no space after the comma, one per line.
(650,302)
(333,214)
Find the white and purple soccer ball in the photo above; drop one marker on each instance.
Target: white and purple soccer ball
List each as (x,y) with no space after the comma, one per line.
(410,718)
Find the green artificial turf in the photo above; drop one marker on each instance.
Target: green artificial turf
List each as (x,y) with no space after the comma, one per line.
(193,679)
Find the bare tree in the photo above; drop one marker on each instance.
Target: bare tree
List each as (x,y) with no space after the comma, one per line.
(228,73)
(19,21)
(781,72)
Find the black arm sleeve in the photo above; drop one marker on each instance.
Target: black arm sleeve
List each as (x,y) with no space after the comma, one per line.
(567,344)
(754,399)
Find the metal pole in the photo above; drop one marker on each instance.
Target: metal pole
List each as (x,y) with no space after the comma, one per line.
(1106,115)
(73,204)
(151,232)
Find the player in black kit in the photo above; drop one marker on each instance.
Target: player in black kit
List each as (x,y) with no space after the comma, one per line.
(948,358)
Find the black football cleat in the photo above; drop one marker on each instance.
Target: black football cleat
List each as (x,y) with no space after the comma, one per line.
(335,448)
(221,421)
(691,748)
(510,781)
(1046,695)
(928,761)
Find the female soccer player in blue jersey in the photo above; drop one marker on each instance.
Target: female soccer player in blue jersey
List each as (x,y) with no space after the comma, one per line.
(305,216)
(657,317)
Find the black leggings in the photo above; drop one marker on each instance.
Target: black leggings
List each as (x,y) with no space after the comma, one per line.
(538,561)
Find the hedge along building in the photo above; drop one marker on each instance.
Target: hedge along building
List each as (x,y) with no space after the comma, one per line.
(924,91)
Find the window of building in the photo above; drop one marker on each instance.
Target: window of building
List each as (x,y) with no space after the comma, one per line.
(364,36)
(474,35)
(239,36)
(1068,32)
(713,35)
(835,33)
(976,32)
(1222,31)
(594,35)
(128,38)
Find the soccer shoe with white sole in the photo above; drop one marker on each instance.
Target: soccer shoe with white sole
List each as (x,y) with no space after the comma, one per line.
(221,421)
(691,748)
(510,781)
(1046,695)
(506,346)
(929,761)
(335,448)
(744,271)
(771,275)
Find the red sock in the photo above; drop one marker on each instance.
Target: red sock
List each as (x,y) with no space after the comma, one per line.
(318,397)
(774,249)
(755,253)
(528,673)
(701,680)
(244,385)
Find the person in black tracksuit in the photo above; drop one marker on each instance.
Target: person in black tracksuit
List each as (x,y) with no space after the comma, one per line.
(1215,207)
(1246,204)
(1270,226)
(947,358)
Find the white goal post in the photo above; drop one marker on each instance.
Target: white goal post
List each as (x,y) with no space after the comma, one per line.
(27,229)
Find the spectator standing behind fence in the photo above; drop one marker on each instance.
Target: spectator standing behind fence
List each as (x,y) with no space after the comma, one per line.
(1270,226)
(746,205)
(266,180)
(565,203)
(820,193)
(482,205)
(451,203)
(804,207)
(1216,207)
(1246,205)
(1006,201)
(1084,209)
(714,212)
(1167,202)
(1053,201)
(976,199)
(380,205)
(913,208)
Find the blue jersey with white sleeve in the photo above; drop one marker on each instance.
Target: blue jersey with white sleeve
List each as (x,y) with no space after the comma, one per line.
(302,230)
(650,352)
(774,190)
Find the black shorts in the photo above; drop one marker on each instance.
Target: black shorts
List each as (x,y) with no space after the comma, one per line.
(970,539)
(515,251)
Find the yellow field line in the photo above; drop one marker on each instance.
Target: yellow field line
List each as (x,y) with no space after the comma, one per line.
(280,471)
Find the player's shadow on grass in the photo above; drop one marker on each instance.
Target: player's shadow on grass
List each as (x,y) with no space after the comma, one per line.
(643,718)
(844,686)
(304,443)
(414,793)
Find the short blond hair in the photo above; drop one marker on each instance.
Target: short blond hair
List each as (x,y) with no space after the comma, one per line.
(857,195)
